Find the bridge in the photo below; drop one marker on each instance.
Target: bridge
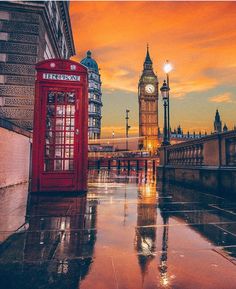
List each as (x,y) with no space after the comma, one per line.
(123,159)
(208,162)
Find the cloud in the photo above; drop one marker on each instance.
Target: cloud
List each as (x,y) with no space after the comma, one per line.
(119,44)
(225,98)
(198,38)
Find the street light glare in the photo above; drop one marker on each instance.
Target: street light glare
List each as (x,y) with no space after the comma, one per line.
(167,67)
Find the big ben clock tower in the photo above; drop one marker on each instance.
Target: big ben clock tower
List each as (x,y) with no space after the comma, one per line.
(148,107)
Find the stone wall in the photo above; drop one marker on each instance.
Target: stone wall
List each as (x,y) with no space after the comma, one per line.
(14,154)
(29,34)
(209,162)
(211,179)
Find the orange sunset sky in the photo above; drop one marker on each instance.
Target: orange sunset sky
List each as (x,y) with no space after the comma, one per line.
(198,38)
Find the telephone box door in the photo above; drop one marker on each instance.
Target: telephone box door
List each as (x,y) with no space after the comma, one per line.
(60,152)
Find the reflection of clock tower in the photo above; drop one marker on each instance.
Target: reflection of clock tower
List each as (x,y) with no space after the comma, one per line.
(148,106)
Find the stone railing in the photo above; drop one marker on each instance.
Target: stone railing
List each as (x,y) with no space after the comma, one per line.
(186,155)
(214,150)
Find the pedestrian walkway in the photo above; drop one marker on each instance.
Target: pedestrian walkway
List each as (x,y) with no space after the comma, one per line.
(127,233)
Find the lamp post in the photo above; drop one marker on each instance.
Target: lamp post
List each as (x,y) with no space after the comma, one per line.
(127,128)
(113,136)
(167,68)
(165,92)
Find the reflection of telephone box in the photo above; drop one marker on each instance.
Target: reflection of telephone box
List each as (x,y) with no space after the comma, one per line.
(60,138)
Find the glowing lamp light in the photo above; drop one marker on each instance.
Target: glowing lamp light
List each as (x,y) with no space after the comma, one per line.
(168,67)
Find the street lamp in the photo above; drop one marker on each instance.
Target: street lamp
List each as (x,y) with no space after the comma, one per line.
(113,136)
(165,92)
(167,68)
(127,128)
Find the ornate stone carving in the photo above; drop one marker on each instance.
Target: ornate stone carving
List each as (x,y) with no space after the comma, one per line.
(18,79)
(14,90)
(12,101)
(19,37)
(24,123)
(26,59)
(16,113)
(10,26)
(24,17)
(18,47)
(16,69)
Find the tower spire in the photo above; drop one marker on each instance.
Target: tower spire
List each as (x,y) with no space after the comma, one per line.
(217,122)
(148,58)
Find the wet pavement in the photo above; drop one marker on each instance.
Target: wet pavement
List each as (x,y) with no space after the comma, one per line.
(127,233)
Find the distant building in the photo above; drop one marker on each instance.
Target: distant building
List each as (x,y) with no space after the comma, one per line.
(31,31)
(95,97)
(217,122)
(148,106)
(225,128)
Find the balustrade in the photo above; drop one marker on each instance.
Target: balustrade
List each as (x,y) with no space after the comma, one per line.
(231,152)
(188,155)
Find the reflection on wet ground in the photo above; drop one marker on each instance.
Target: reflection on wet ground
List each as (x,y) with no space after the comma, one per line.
(127,233)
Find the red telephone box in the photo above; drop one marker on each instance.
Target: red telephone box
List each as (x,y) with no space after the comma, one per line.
(60,137)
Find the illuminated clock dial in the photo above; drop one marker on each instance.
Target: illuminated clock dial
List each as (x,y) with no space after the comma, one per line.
(149,88)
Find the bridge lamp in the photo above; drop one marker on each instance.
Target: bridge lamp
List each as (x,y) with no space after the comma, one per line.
(113,136)
(167,68)
(165,96)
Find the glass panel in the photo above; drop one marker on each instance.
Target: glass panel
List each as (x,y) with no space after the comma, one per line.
(71,165)
(59,139)
(60,110)
(71,97)
(69,152)
(58,165)
(60,97)
(59,152)
(59,134)
(70,124)
(51,97)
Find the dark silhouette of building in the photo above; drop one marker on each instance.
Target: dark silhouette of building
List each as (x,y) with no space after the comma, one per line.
(225,128)
(217,122)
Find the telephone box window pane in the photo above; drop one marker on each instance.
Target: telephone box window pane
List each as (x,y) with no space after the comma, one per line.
(47,151)
(58,165)
(59,143)
(59,139)
(69,141)
(69,124)
(60,97)
(48,165)
(60,110)
(59,152)
(72,153)
(71,97)
(51,97)
(69,152)
(70,110)
(71,165)
(59,124)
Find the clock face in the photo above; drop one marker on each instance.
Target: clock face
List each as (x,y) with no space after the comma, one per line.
(149,88)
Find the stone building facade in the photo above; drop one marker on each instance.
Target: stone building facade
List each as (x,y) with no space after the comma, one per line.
(94,97)
(30,31)
(148,107)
